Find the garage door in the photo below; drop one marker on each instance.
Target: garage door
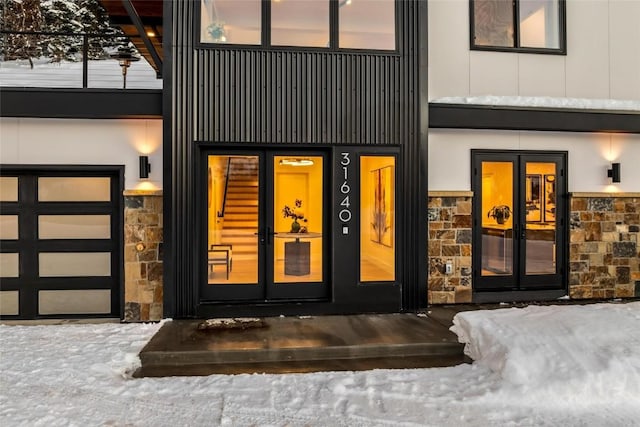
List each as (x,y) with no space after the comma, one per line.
(61,241)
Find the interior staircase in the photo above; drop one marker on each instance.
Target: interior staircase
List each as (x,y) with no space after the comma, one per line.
(241,207)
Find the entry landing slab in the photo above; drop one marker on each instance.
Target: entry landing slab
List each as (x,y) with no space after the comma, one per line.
(302,344)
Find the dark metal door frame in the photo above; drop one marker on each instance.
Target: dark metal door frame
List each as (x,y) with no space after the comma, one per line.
(519,283)
(266,290)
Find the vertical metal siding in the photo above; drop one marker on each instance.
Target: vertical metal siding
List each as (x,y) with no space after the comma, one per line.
(292,97)
(295,97)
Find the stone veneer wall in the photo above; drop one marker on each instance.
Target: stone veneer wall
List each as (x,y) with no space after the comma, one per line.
(142,255)
(449,216)
(604,245)
(604,252)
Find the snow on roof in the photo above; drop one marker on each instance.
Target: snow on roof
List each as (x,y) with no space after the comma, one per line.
(544,102)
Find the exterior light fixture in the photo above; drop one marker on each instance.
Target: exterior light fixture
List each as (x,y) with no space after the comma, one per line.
(145,167)
(614,172)
(296,162)
(125,56)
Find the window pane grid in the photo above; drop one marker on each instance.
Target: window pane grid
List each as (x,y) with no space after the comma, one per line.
(535,25)
(361,24)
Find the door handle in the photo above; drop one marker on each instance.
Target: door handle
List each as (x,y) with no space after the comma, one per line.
(260,235)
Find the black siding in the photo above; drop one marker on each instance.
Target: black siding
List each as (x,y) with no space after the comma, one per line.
(266,96)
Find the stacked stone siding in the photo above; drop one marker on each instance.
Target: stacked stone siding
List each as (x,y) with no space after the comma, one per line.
(449,240)
(143,255)
(604,246)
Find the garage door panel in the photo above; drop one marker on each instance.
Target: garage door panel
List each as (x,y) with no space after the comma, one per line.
(61,237)
(8,189)
(79,301)
(9,264)
(9,303)
(74,226)
(74,189)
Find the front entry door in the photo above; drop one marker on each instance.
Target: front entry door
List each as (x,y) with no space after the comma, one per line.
(519,233)
(266,232)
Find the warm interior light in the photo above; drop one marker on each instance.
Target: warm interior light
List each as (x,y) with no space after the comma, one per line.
(296,162)
(151,34)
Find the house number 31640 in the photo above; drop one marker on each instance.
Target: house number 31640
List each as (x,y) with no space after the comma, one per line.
(345,189)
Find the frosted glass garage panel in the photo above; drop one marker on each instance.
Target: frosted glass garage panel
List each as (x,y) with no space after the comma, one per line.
(9,303)
(74,264)
(74,227)
(8,227)
(8,189)
(9,265)
(80,301)
(72,189)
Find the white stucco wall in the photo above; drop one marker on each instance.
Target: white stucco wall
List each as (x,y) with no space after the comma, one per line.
(602,60)
(590,155)
(85,142)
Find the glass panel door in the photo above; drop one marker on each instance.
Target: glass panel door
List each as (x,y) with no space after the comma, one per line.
(297,213)
(520,203)
(297,251)
(265,227)
(232,219)
(497,219)
(540,206)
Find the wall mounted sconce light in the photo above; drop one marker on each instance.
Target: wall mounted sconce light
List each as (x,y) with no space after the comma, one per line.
(614,172)
(145,167)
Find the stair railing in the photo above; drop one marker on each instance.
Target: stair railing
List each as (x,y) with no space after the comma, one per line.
(226,187)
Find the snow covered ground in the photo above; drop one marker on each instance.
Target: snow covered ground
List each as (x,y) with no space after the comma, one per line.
(538,366)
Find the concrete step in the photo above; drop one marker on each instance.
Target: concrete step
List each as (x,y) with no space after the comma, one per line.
(302,344)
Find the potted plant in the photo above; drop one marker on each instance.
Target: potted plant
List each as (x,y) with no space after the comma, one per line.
(501,213)
(297,214)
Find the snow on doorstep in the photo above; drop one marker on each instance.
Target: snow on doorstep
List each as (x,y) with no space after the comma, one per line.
(78,375)
(543,101)
(588,353)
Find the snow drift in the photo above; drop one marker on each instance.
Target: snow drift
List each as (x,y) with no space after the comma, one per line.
(585,353)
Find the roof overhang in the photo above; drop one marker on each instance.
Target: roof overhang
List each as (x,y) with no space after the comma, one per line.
(474,116)
(141,22)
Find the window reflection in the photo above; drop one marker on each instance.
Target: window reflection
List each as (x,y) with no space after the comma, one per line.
(377,218)
(300,23)
(377,31)
(230,21)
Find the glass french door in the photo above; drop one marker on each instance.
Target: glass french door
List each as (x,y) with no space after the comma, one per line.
(266,231)
(519,235)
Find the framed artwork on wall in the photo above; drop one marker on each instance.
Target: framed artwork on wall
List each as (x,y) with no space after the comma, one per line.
(549,198)
(533,198)
(381,218)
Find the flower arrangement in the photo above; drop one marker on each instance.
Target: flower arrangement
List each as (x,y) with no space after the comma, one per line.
(501,213)
(297,214)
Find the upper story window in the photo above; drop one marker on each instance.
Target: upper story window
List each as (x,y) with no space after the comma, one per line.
(230,21)
(518,25)
(333,24)
(300,23)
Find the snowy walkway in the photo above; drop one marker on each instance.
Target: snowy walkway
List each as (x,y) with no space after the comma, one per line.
(538,366)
